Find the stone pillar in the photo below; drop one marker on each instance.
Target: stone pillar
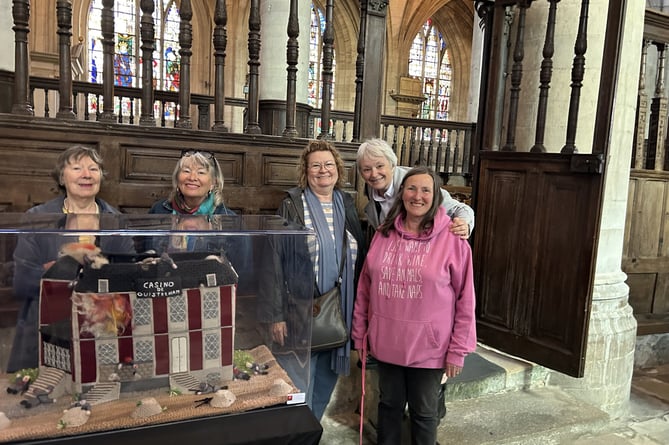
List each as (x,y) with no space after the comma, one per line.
(7,35)
(612,333)
(475,72)
(273,64)
(6,57)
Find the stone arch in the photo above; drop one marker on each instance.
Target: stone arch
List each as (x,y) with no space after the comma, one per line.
(454,18)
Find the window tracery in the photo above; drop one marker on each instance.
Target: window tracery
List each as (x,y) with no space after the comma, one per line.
(429,61)
(127,50)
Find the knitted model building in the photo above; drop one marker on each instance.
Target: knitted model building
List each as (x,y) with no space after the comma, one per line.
(126,326)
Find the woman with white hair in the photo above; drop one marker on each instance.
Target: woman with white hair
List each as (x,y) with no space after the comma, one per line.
(197,187)
(377,164)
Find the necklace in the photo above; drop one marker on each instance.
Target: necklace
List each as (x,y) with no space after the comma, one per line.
(68,209)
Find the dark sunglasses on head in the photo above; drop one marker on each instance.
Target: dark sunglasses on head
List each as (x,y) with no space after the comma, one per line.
(190,152)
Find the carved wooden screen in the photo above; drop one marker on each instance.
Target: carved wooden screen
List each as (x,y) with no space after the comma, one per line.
(537,212)
(646,250)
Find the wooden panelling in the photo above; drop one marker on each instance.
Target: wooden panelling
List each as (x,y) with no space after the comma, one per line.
(661,300)
(646,254)
(642,288)
(139,163)
(505,188)
(647,218)
(148,164)
(279,171)
(645,265)
(534,263)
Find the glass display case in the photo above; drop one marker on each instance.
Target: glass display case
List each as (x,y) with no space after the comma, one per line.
(154,328)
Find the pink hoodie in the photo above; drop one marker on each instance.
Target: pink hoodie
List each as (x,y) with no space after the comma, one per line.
(415,300)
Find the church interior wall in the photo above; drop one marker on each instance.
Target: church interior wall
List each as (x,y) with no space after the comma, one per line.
(455,19)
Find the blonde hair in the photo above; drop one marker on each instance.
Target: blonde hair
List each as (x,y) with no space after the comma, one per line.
(200,159)
(314,146)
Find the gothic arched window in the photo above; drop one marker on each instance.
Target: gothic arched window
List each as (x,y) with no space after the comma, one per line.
(429,61)
(315,83)
(127,47)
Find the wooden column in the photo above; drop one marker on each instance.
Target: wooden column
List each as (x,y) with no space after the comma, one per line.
(64,16)
(148,45)
(21,15)
(328,56)
(220,43)
(577,73)
(485,10)
(359,71)
(657,127)
(641,112)
(107,24)
(545,79)
(185,44)
(292,54)
(373,68)
(516,78)
(252,126)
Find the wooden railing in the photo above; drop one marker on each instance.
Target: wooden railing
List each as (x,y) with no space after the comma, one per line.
(445,146)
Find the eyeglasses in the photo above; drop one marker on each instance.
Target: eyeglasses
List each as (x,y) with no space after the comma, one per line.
(316,166)
(190,152)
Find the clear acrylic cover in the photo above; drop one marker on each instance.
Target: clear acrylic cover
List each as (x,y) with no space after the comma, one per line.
(133,320)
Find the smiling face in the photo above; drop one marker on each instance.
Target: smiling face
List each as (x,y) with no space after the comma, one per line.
(194,181)
(377,172)
(322,174)
(417,195)
(81,178)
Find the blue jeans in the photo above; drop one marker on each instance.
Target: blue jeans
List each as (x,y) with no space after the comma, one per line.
(322,381)
(419,388)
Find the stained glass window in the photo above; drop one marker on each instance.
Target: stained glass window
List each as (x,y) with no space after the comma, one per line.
(429,61)
(315,83)
(127,51)
(171,59)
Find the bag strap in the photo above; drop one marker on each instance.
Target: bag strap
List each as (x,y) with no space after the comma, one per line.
(342,260)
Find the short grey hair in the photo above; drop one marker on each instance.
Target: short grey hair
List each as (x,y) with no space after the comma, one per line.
(374,148)
(74,154)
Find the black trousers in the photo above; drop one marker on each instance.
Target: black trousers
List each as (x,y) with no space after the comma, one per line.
(419,388)
(441,404)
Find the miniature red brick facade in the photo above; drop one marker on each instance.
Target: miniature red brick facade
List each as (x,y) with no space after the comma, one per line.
(136,335)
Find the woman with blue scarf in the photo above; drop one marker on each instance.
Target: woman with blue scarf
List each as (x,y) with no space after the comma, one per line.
(197,187)
(320,204)
(197,193)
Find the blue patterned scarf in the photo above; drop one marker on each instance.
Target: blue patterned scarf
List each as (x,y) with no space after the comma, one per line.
(206,207)
(328,265)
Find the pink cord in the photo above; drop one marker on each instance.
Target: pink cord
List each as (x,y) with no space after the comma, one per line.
(363,359)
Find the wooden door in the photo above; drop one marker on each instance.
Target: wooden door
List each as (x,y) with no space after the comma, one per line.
(537,213)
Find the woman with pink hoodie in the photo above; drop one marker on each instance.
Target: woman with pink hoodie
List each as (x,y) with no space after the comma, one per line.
(414,308)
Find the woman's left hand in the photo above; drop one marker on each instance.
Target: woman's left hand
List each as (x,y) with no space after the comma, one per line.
(452,370)
(459,227)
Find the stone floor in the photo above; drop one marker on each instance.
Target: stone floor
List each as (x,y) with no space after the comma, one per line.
(534,416)
(653,382)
